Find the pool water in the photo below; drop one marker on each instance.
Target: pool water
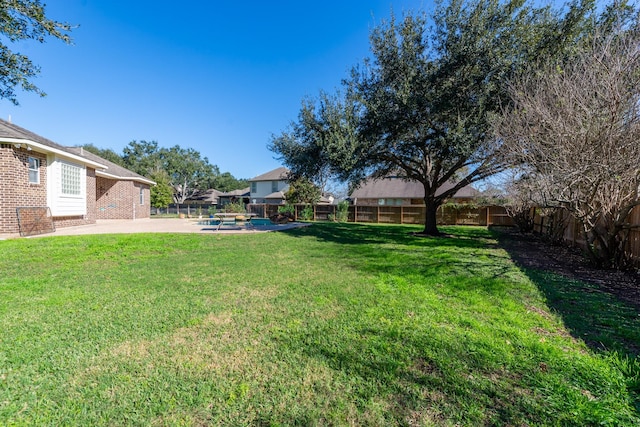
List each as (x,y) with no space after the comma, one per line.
(261,221)
(254,221)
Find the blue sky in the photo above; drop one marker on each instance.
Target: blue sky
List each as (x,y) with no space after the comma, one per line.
(217,76)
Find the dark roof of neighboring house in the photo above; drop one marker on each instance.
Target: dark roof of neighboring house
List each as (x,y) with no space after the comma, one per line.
(279,174)
(113,170)
(237,193)
(276,195)
(210,196)
(324,200)
(398,188)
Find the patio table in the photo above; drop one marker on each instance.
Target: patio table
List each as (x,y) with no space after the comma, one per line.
(232,219)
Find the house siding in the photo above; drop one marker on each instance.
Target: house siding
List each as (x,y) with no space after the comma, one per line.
(67,205)
(376,201)
(17,192)
(116,199)
(264,188)
(15,188)
(90,216)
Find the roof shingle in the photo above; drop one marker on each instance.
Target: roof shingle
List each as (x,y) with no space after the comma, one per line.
(112,168)
(9,130)
(395,187)
(278,174)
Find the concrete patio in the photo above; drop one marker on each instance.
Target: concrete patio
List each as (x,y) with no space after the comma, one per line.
(160,225)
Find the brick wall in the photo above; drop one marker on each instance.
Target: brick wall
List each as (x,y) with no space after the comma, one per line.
(106,198)
(144,210)
(15,189)
(121,199)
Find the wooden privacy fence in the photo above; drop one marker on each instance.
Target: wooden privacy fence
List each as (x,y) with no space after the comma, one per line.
(573,233)
(446,215)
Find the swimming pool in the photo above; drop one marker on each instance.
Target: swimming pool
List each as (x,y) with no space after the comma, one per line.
(261,221)
(254,221)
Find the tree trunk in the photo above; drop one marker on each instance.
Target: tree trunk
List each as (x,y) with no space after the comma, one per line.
(430,221)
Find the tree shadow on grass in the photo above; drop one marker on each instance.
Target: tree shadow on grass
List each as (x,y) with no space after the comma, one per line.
(377,354)
(417,374)
(592,303)
(393,249)
(357,234)
(581,295)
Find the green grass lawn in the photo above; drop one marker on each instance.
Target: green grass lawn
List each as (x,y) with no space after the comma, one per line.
(333,324)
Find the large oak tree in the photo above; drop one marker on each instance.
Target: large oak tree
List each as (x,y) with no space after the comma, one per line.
(421,107)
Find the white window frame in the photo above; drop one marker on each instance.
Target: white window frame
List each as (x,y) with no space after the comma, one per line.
(142,195)
(34,170)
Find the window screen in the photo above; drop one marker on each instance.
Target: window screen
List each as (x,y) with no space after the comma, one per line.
(34,170)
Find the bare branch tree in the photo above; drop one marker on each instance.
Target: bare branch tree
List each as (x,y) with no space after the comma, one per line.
(576,131)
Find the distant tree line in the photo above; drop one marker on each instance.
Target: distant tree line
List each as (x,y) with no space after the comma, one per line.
(179,173)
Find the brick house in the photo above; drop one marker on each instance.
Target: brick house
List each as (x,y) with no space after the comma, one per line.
(395,191)
(120,193)
(78,187)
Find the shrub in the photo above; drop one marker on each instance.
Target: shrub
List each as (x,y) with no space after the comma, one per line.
(235,207)
(287,209)
(307,213)
(342,212)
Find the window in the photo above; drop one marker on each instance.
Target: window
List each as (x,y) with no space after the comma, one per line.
(71,178)
(274,186)
(141,196)
(254,187)
(34,170)
(381,202)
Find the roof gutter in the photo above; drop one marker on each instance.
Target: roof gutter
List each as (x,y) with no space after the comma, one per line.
(30,145)
(124,178)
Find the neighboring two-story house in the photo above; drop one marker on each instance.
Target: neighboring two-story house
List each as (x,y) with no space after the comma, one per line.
(270,187)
